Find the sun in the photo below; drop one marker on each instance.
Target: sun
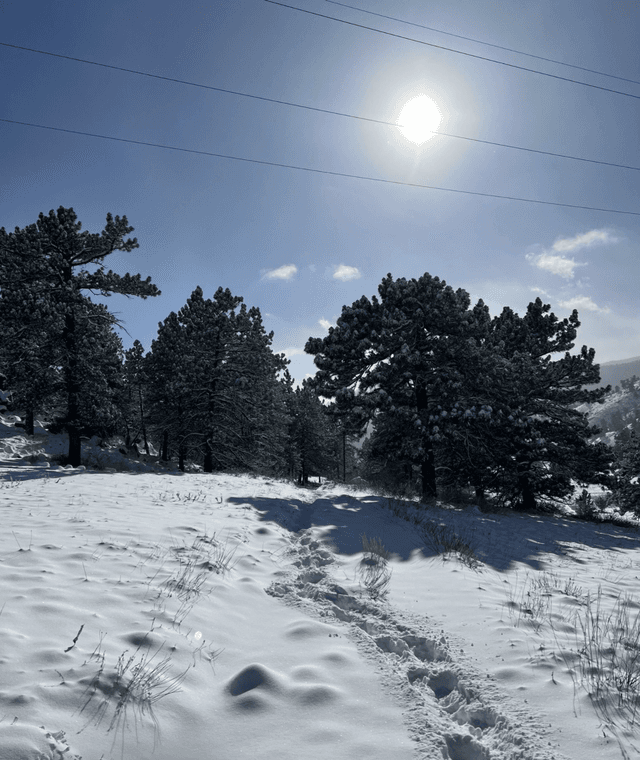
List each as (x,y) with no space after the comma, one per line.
(419,119)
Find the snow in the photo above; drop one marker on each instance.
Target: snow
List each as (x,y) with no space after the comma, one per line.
(244,598)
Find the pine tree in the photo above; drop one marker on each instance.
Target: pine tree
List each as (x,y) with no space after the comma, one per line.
(258,396)
(30,346)
(169,389)
(312,434)
(214,390)
(48,260)
(344,454)
(388,461)
(134,411)
(100,376)
(406,355)
(534,441)
(626,482)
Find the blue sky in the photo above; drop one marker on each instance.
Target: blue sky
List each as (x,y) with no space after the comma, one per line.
(300,245)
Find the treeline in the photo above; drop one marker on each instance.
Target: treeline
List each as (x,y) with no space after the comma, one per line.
(460,399)
(210,390)
(455,398)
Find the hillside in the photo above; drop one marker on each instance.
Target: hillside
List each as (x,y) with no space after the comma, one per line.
(157,614)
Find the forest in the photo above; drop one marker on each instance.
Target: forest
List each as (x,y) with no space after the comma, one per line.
(453,398)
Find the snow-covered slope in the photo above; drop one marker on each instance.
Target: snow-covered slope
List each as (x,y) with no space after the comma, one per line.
(619,409)
(149,614)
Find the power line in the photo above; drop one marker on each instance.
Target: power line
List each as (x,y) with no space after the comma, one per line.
(453,50)
(313,108)
(321,171)
(488,44)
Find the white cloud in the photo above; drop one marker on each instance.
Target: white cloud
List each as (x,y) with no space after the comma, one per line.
(285,272)
(553,261)
(291,352)
(344,273)
(586,240)
(583,303)
(325,323)
(555,264)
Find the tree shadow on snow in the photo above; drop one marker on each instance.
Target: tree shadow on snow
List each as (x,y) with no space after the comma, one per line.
(497,541)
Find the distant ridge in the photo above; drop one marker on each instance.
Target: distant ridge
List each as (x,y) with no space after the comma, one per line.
(620,361)
(612,373)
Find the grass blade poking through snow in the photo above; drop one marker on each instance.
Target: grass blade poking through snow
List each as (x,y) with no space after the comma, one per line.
(442,539)
(373,567)
(134,686)
(610,656)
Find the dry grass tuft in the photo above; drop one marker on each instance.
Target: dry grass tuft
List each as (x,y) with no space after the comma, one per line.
(373,567)
(133,686)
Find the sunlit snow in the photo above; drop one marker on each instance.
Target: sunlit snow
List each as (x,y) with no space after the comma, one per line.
(225,617)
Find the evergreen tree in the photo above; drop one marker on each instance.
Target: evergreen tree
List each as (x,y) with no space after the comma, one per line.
(626,482)
(535,441)
(344,454)
(213,385)
(387,459)
(312,434)
(258,396)
(291,454)
(134,411)
(31,330)
(47,261)
(406,355)
(100,377)
(168,389)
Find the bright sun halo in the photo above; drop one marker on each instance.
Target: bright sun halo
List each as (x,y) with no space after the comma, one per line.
(419,119)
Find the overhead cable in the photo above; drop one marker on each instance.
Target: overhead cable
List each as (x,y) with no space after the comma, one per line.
(313,108)
(321,171)
(487,44)
(453,50)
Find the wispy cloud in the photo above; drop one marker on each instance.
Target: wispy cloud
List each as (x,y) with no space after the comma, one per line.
(583,303)
(285,272)
(325,323)
(344,273)
(291,352)
(586,240)
(553,261)
(559,265)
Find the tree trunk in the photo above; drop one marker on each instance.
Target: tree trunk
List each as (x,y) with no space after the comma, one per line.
(528,500)
(428,468)
(164,453)
(181,457)
(28,423)
(428,472)
(344,456)
(525,489)
(75,446)
(71,381)
(144,428)
(208,458)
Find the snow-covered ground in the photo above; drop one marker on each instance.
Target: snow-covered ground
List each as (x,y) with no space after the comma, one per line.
(149,614)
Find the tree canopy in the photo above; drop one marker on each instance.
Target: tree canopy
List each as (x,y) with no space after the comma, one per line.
(44,277)
(451,390)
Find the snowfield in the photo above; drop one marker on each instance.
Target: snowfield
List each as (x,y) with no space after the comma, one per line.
(154,614)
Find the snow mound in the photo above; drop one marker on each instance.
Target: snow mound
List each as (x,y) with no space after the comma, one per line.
(25,742)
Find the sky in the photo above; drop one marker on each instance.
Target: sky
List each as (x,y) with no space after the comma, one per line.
(301,244)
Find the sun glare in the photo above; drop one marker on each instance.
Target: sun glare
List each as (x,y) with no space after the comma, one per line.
(419,119)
